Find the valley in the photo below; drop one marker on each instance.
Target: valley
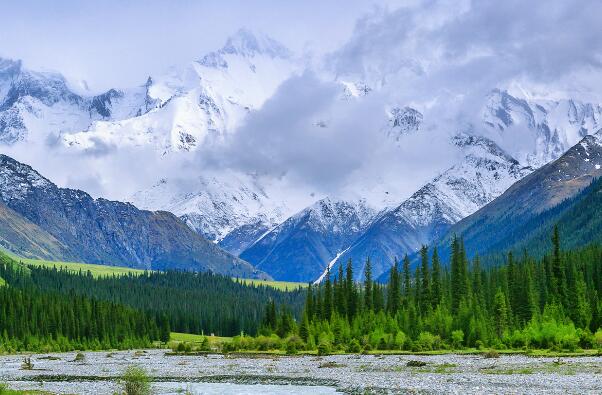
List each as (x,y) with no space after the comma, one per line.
(362,197)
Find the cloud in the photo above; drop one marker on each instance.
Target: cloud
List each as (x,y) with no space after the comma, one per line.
(310,136)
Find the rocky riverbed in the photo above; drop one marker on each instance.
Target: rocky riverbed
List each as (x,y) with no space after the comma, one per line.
(97,373)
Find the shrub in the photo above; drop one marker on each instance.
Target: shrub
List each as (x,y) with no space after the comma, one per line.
(79,357)
(457,338)
(293,344)
(354,346)
(491,354)
(428,341)
(135,381)
(400,340)
(598,339)
(323,348)
(415,364)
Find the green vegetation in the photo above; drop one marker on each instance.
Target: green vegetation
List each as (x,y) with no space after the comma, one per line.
(105,270)
(280,285)
(4,390)
(526,304)
(31,319)
(76,267)
(72,309)
(135,381)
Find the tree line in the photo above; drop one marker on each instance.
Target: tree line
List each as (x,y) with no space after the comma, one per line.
(552,302)
(189,302)
(35,320)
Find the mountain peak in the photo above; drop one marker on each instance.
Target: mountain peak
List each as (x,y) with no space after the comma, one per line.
(247,43)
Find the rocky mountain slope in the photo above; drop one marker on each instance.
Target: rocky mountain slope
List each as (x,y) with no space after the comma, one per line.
(520,212)
(108,232)
(300,248)
(28,240)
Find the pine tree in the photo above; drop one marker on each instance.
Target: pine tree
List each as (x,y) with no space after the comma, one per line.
(350,290)
(407,291)
(558,275)
(368,305)
(327,307)
(393,295)
(436,281)
(425,277)
(500,311)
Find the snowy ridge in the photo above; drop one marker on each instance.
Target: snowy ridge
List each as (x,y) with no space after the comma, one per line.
(205,99)
(308,240)
(214,205)
(551,126)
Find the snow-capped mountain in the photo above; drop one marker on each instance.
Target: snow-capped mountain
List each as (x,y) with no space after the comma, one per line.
(36,105)
(217,206)
(206,99)
(536,131)
(523,216)
(402,121)
(483,174)
(300,248)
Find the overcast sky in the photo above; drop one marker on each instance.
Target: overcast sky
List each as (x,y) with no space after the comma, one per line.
(114,43)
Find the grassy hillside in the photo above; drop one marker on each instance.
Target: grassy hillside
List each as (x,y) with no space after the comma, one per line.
(96,270)
(281,285)
(104,270)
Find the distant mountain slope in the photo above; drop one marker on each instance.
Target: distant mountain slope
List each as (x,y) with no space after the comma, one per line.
(107,232)
(25,238)
(528,209)
(484,173)
(301,247)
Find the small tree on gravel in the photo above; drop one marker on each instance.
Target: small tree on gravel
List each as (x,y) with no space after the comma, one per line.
(135,381)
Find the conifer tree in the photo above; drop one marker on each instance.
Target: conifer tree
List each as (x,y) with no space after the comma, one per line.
(393,296)
(350,290)
(436,281)
(407,291)
(368,294)
(425,279)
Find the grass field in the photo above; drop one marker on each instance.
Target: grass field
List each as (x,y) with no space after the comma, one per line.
(192,338)
(104,270)
(281,285)
(96,270)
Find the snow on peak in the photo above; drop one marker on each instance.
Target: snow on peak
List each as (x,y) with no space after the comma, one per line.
(246,44)
(537,131)
(17,179)
(214,204)
(403,121)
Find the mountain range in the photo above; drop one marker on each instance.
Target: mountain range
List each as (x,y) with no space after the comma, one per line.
(239,225)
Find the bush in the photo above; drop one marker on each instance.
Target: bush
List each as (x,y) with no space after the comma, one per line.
(293,344)
(354,346)
(598,339)
(80,357)
(491,354)
(323,348)
(135,381)
(427,341)
(457,338)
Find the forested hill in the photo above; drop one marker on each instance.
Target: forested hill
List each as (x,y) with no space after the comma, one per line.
(191,302)
(566,191)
